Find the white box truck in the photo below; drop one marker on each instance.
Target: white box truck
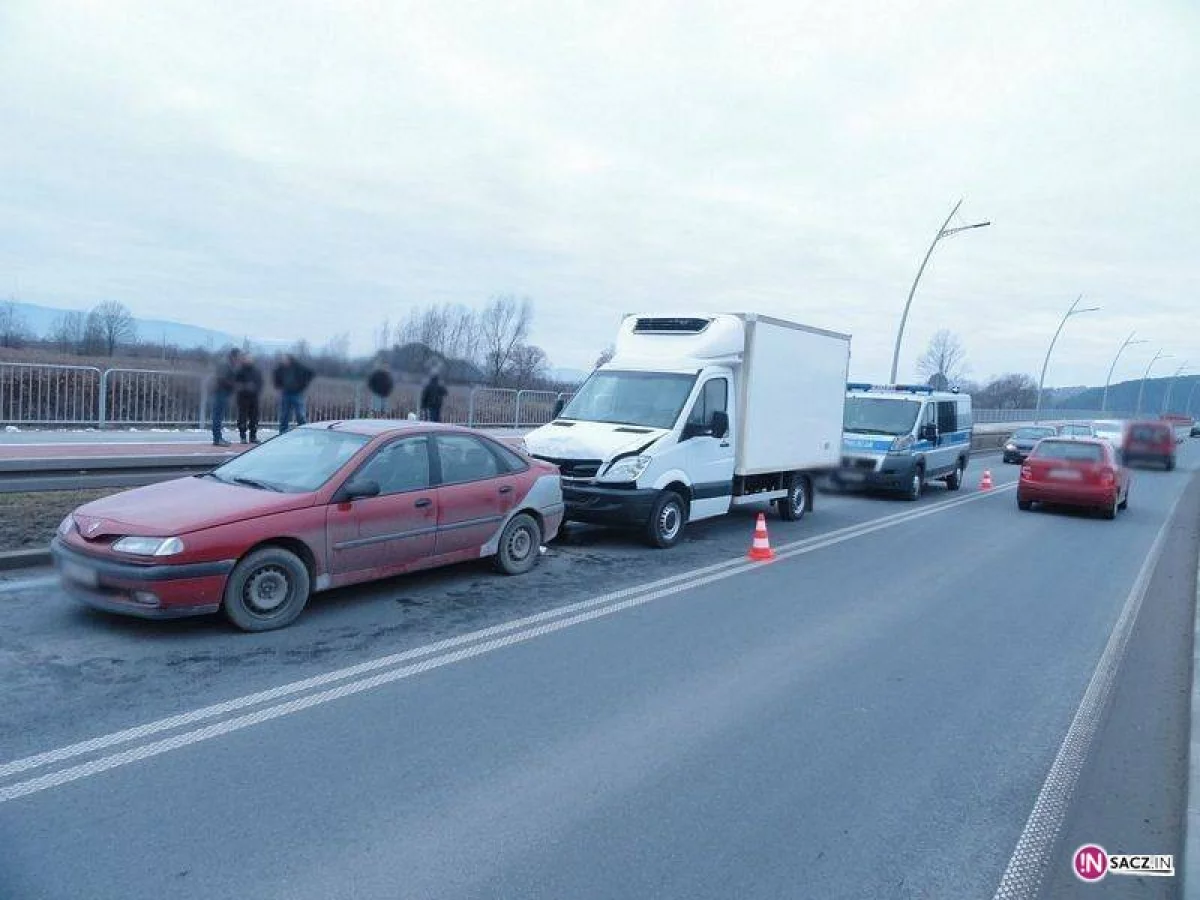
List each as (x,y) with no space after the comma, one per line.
(694,415)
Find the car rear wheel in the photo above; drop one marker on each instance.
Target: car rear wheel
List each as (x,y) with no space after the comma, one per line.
(667,519)
(1110,511)
(268,589)
(1024,505)
(792,507)
(520,545)
(1124,504)
(955,481)
(1170,464)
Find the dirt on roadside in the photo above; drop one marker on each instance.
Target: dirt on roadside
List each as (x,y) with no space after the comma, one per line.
(28,521)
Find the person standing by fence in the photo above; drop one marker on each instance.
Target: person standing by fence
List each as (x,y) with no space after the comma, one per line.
(249,385)
(432,397)
(224,382)
(380,384)
(291,378)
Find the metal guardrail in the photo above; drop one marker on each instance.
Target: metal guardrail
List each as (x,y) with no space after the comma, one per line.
(34,394)
(1007,416)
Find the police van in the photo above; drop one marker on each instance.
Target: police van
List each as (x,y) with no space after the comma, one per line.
(897,437)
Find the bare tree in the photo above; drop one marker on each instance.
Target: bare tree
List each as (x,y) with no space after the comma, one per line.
(605,355)
(113,324)
(383,335)
(67,332)
(337,347)
(13,330)
(1013,391)
(503,325)
(944,361)
(527,366)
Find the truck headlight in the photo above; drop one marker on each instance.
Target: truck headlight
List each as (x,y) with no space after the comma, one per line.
(627,468)
(902,443)
(149,546)
(66,526)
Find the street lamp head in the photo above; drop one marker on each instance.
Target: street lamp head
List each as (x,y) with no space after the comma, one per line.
(1076,312)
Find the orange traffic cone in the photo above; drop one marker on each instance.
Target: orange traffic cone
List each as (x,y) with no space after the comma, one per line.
(985,483)
(761,550)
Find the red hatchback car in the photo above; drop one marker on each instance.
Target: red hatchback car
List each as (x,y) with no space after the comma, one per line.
(1082,472)
(320,507)
(1150,442)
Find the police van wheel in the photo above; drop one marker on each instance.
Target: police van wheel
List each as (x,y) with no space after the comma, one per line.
(915,486)
(667,520)
(954,482)
(793,506)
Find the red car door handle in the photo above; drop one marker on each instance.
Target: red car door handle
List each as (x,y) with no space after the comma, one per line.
(507,489)
(423,502)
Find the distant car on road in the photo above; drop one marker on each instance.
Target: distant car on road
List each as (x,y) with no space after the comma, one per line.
(1076,429)
(1150,442)
(1080,472)
(1017,447)
(1111,430)
(320,507)
(1195,432)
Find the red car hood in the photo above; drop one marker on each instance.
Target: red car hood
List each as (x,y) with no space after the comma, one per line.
(180,506)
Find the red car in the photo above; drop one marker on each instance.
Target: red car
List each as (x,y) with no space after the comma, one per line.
(320,507)
(1150,442)
(1082,472)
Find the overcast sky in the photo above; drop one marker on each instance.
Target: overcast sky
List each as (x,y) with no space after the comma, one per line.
(301,168)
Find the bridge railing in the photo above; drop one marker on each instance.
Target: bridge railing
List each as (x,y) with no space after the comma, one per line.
(35,394)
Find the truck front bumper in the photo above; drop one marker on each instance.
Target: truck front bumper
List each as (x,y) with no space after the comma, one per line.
(895,473)
(608,505)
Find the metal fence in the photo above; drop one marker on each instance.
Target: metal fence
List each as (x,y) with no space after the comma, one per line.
(996,416)
(33,394)
(59,396)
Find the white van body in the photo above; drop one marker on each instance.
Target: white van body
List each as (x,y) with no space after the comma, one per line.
(694,415)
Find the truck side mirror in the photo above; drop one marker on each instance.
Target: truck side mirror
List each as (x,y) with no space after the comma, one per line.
(929,433)
(720,423)
(558,408)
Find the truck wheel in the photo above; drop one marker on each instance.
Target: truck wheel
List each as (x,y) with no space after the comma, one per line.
(916,485)
(667,519)
(954,482)
(793,506)
(267,590)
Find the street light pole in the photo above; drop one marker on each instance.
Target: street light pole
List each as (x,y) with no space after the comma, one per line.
(1166,407)
(1128,341)
(944,231)
(1191,393)
(1073,311)
(1141,390)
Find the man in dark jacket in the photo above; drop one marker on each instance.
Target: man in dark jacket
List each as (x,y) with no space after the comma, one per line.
(224,381)
(380,384)
(249,385)
(432,397)
(291,378)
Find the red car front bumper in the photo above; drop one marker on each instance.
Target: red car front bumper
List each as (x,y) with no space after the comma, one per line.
(147,591)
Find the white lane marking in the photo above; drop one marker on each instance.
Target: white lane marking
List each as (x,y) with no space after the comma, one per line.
(139,732)
(27,584)
(187,738)
(1022,879)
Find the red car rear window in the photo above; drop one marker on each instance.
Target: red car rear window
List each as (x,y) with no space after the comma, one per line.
(1150,434)
(1075,451)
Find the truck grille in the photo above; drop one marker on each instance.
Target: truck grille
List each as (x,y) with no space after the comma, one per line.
(858,462)
(574,468)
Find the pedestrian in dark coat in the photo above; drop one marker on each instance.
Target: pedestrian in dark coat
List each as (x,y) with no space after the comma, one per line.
(381,384)
(249,385)
(223,385)
(291,378)
(432,397)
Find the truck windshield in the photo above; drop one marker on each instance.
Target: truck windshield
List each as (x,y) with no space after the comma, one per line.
(648,399)
(871,415)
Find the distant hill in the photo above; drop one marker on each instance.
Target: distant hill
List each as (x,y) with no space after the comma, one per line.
(1123,397)
(40,320)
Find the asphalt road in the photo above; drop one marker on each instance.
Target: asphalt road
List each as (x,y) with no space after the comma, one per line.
(872,715)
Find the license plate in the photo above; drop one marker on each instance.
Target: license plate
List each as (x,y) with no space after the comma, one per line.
(79,574)
(1065,474)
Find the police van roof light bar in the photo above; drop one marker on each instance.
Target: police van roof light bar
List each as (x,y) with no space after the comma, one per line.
(909,388)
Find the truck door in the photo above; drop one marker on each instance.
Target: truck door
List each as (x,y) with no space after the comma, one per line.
(708,458)
(947,446)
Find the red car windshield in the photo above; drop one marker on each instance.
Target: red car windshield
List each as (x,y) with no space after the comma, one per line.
(296,462)
(1071,451)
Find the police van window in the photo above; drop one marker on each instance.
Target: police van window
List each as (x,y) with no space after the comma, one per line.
(965,419)
(714,397)
(927,415)
(947,420)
